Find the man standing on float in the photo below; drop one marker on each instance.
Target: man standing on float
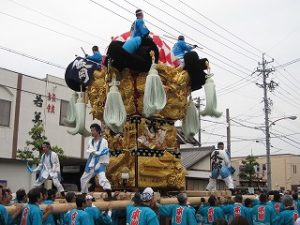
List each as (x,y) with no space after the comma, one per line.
(49,167)
(221,167)
(97,161)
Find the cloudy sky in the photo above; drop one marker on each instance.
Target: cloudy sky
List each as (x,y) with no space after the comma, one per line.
(234,34)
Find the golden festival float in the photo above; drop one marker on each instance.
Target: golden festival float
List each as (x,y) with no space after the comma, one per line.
(138,97)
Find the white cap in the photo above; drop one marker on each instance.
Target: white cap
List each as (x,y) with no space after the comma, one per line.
(297,221)
(147,194)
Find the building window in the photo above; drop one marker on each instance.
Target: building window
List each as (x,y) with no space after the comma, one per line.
(5,112)
(294,169)
(64,108)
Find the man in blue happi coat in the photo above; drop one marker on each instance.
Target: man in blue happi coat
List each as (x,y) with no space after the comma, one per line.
(78,216)
(276,202)
(32,214)
(211,213)
(289,215)
(138,31)
(180,213)
(141,213)
(96,215)
(181,47)
(263,214)
(237,209)
(96,57)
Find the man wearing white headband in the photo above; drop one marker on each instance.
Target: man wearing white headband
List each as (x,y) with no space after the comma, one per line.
(138,31)
(140,212)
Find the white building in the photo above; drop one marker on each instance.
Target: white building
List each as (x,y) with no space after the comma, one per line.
(22,100)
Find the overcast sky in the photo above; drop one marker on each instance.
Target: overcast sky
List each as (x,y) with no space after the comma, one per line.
(55,30)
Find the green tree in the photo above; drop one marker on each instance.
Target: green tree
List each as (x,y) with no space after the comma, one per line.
(247,171)
(32,151)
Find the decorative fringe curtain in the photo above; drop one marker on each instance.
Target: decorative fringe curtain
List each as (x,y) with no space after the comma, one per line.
(71,113)
(80,112)
(154,96)
(191,123)
(114,111)
(211,99)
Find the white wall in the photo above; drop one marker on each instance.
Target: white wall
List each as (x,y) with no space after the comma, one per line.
(56,134)
(15,174)
(7,78)
(203,164)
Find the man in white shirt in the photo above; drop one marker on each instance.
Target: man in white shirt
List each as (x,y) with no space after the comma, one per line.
(49,167)
(221,168)
(97,161)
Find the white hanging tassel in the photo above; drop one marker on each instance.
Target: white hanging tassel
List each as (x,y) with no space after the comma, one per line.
(211,99)
(191,123)
(154,96)
(80,112)
(114,111)
(71,113)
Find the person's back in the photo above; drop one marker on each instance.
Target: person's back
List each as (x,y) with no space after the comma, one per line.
(277,206)
(211,213)
(180,214)
(32,215)
(289,215)
(262,213)
(296,202)
(97,217)
(235,210)
(4,216)
(286,217)
(77,217)
(141,215)
(276,202)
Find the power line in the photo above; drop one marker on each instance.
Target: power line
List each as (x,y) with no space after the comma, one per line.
(196,29)
(288,63)
(189,17)
(31,57)
(46,28)
(57,20)
(286,100)
(201,14)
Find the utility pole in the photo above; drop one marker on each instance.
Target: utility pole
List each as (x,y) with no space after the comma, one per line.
(264,71)
(228,132)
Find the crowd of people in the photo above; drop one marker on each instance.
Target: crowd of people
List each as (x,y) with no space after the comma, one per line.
(145,210)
